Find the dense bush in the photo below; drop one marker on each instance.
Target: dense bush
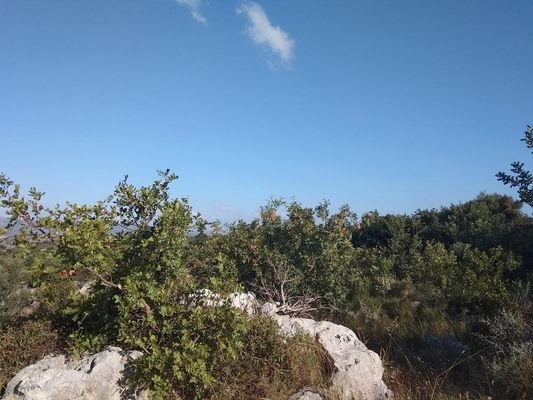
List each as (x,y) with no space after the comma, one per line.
(401,282)
(308,252)
(130,249)
(135,252)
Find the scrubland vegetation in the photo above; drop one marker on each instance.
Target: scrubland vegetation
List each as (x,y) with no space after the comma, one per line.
(442,295)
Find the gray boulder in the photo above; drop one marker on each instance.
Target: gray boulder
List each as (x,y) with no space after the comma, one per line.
(54,378)
(245,302)
(358,370)
(269,308)
(306,394)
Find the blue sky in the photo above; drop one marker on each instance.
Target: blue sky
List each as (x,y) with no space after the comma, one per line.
(388,105)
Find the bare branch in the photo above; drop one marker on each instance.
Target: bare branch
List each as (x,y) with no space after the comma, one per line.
(280,291)
(104,281)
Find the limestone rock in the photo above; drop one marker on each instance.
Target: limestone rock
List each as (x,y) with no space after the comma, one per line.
(54,378)
(269,308)
(245,302)
(205,298)
(306,394)
(87,288)
(358,370)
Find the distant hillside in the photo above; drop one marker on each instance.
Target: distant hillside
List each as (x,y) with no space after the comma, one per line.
(10,232)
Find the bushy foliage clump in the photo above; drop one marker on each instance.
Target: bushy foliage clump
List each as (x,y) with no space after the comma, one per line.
(130,249)
(390,264)
(141,258)
(127,271)
(308,252)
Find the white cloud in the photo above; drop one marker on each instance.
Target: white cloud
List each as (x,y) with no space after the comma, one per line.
(194,7)
(262,32)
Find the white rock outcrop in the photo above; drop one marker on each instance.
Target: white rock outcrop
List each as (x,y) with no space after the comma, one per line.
(55,378)
(269,308)
(357,373)
(245,302)
(306,394)
(358,370)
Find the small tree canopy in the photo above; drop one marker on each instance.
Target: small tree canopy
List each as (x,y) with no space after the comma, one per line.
(520,177)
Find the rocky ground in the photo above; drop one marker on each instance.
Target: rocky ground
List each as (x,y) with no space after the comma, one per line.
(357,371)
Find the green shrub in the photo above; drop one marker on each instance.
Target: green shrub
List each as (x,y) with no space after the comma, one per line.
(481,284)
(305,250)
(132,247)
(394,279)
(183,356)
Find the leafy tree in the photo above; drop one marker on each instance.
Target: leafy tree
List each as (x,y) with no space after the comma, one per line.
(306,251)
(131,249)
(484,222)
(520,177)
(488,221)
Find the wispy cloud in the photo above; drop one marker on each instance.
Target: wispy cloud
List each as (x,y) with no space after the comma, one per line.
(194,7)
(262,32)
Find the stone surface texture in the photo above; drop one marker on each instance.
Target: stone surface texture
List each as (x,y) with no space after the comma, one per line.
(358,370)
(245,302)
(269,308)
(55,378)
(306,394)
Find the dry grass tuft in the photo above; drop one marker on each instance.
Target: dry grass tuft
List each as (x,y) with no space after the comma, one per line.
(23,345)
(270,367)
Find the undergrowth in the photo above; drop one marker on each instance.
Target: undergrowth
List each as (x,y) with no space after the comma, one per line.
(24,344)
